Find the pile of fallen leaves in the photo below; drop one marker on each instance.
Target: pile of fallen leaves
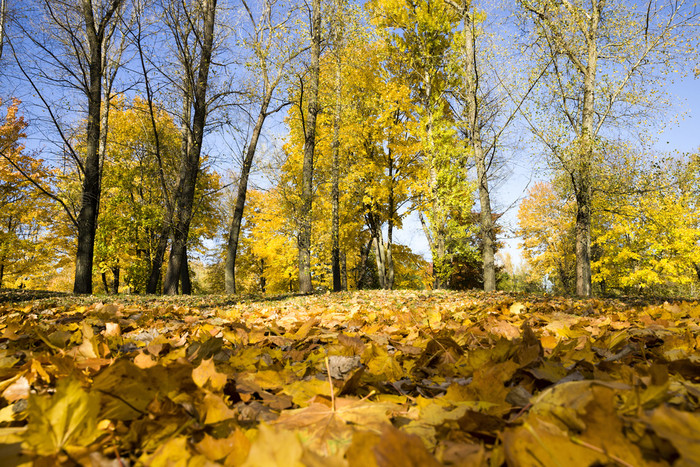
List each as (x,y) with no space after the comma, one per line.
(370,378)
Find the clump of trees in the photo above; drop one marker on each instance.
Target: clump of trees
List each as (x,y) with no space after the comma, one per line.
(153,168)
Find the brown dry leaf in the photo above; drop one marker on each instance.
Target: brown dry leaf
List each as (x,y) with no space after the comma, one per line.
(361,450)
(682,429)
(398,448)
(352,342)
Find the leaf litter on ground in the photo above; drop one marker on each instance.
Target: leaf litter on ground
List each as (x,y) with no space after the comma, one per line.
(351,379)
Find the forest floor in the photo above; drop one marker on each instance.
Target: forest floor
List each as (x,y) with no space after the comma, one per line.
(402,378)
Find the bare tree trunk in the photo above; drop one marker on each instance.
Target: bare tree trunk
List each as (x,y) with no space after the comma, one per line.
(338,33)
(105,284)
(185,278)
(389,247)
(87,218)
(344,271)
(235,229)
(363,269)
(335,190)
(157,260)
(304,259)
(582,176)
(471,85)
(189,169)
(3,13)
(115,284)
(583,237)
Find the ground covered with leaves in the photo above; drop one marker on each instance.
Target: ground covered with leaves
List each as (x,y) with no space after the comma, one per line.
(359,379)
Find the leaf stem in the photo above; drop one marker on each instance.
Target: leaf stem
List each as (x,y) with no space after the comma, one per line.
(330,382)
(595,448)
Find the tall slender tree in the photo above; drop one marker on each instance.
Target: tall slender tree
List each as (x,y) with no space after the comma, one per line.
(71,42)
(199,21)
(3,15)
(271,58)
(304,258)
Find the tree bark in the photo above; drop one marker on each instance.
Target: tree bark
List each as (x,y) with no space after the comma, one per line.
(486,215)
(87,217)
(304,259)
(362,278)
(3,13)
(157,260)
(189,169)
(344,271)
(586,151)
(115,285)
(235,229)
(338,33)
(335,176)
(185,277)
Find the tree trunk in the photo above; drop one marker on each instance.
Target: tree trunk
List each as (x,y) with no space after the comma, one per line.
(189,169)
(115,284)
(583,239)
(105,284)
(2,272)
(363,272)
(235,229)
(344,271)
(304,259)
(335,190)
(471,85)
(157,260)
(582,166)
(389,247)
(436,233)
(263,281)
(3,13)
(335,149)
(185,278)
(87,218)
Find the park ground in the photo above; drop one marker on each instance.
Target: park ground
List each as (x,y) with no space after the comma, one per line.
(400,378)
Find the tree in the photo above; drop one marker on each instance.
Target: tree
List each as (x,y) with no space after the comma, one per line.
(547,222)
(381,126)
(419,36)
(3,16)
(338,34)
(25,237)
(193,29)
(606,62)
(71,41)
(272,54)
(309,127)
(133,208)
